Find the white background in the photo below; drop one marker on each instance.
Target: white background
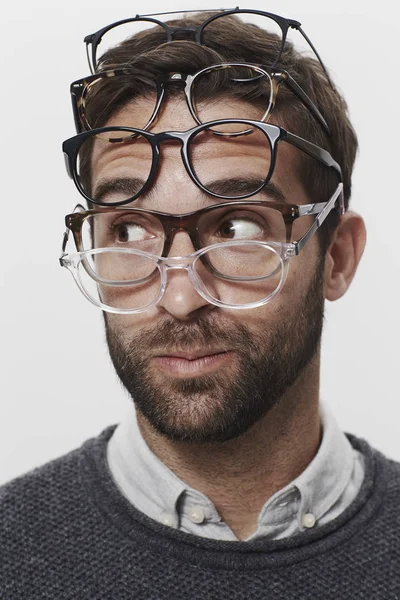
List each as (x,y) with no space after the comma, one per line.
(57,386)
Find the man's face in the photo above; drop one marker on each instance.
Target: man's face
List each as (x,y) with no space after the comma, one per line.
(195,371)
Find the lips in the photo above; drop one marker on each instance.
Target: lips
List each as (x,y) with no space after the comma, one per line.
(191,364)
(193,355)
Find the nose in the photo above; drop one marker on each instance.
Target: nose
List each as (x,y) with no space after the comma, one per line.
(180,299)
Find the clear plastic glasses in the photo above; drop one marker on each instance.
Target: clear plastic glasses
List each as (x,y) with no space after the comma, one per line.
(131,281)
(235,274)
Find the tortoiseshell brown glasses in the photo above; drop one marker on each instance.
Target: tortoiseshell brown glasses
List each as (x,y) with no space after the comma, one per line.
(154,231)
(255,89)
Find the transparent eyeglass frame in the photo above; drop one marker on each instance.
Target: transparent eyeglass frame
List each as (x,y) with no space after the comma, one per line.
(284,250)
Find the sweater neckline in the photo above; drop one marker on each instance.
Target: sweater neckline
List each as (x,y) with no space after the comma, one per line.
(153,536)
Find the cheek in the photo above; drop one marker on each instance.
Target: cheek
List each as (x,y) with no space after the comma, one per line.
(110,278)
(127,326)
(303,273)
(138,297)
(284,307)
(245,293)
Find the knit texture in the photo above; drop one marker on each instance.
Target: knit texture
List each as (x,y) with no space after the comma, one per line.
(66,532)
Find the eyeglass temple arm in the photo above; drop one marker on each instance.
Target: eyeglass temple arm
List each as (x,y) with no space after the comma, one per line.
(306,100)
(313,48)
(312,150)
(321,216)
(63,246)
(296,89)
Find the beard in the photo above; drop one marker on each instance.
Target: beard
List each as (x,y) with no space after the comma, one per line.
(222,405)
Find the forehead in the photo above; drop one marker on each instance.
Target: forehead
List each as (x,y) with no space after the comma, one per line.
(172,189)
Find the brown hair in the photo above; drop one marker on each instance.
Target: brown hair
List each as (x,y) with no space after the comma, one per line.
(230,40)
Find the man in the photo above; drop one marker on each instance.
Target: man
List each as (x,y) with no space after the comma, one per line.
(228,481)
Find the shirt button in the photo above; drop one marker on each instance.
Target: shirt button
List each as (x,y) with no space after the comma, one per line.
(308,520)
(168,520)
(196,515)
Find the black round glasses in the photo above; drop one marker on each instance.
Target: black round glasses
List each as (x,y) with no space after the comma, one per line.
(113,166)
(99,44)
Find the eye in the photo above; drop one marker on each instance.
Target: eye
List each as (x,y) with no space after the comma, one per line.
(125,233)
(240,228)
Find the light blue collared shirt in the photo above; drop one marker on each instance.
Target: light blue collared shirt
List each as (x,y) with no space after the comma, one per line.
(319,494)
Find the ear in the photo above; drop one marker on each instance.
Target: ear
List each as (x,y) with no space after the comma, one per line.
(344,254)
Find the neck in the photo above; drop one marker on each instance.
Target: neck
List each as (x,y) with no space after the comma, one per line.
(240,475)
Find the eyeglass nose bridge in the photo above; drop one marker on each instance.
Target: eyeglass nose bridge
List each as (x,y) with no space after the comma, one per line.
(177,136)
(186,263)
(191,33)
(177,262)
(182,137)
(177,79)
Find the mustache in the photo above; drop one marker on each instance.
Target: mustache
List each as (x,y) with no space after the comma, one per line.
(171,335)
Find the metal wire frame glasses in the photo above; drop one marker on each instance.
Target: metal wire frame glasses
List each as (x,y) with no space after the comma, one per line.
(198,34)
(128,280)
(97,95)
(197,142)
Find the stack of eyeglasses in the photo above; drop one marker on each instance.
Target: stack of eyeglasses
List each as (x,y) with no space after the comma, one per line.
(243,238)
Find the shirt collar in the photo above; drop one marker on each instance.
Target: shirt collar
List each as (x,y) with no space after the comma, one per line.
(323,481)
(155,490)
(142,477)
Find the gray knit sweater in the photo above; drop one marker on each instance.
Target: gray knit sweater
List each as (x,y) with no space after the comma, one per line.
(66,532)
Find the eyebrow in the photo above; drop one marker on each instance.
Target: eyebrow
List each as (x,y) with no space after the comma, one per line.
(245,185)
(129,186)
